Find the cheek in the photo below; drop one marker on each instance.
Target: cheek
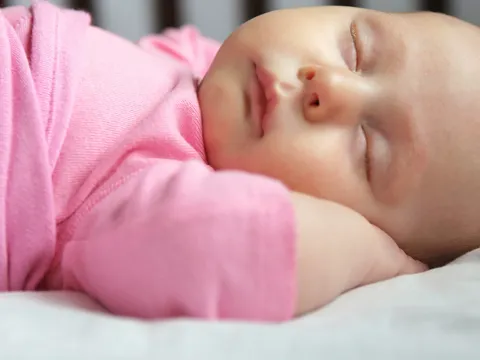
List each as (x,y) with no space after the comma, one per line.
(303,165)
(223,125)
(325,172)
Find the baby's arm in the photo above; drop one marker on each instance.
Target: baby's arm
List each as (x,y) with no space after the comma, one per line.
(178,239)
(338,250)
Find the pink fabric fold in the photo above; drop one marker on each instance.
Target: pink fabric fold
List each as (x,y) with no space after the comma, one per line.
(39,70)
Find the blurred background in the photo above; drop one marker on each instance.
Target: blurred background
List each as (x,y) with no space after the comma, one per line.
(217,18)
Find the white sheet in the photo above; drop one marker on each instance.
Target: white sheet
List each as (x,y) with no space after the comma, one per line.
(435,315)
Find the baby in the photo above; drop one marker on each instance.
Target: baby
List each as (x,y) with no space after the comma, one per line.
(259,180)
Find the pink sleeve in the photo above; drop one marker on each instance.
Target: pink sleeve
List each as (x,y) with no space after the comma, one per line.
(178,239)
(185,44)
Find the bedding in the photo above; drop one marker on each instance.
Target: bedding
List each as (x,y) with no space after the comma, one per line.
(434,315)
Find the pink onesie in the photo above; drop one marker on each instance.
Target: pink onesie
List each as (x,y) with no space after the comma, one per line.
(104,186)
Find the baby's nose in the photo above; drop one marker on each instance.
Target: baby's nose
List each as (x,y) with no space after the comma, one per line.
(331,93)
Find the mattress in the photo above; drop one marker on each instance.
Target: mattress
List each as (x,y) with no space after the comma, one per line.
(434,315)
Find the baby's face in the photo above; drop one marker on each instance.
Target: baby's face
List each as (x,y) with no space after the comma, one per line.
(376,111)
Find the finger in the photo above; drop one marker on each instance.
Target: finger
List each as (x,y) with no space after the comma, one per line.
(412,266)
(387,260)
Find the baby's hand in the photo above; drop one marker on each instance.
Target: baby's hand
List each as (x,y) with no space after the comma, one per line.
(338,250)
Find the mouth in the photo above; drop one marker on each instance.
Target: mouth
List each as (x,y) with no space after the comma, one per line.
(263,98)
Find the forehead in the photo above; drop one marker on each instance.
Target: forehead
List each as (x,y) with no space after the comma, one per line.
(318,14)
(302,18)
(296,26)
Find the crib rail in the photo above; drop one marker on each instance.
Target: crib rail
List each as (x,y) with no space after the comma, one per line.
(217,18)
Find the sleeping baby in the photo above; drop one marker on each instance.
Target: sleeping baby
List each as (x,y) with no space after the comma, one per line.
(315,151)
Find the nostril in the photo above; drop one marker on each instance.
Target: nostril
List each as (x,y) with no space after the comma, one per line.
(314,100)
(309,74)
(306,73)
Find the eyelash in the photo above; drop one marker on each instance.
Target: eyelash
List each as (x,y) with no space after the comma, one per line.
(366,159)
(354,34)
(367,154)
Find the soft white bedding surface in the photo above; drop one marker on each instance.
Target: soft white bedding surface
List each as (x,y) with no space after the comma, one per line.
(435,315)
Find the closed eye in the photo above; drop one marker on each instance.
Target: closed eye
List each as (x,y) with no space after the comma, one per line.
(367,155)
(354,34)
